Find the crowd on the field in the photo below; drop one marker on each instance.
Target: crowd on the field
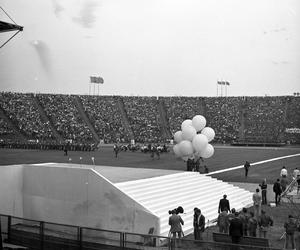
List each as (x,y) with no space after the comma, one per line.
(122,118)
(255,221)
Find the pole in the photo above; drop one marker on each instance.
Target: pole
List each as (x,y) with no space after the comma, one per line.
(217,88)
(89,88)
(94,88)
(221,89)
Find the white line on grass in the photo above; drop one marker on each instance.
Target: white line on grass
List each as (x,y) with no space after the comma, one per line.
(252,164)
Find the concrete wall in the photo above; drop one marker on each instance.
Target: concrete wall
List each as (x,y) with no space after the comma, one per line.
(11,186)
(74,196)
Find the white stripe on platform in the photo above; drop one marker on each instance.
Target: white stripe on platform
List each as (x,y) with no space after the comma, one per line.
(252,164)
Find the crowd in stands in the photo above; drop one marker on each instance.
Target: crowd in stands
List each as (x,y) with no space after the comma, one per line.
(105,117)
(22,111)
(143,118)
(265,118)
(292,132)
(65,117)
(181,108)
(222,114)
(114,118)
(5,129)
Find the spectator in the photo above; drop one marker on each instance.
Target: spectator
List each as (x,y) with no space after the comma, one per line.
(283,172)
(284,183)
(223,204)
(231,215)
(296,172)
(223,221)
(277,190)
(175,221)
(236,229)
(257,203)
(264,187)
(244,217)
(290,229)
(199,225)
(252,225)
(264,222)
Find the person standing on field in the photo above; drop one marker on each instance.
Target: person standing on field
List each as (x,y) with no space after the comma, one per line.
(246,167)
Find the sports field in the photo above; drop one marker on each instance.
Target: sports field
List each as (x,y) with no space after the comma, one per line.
(224,157)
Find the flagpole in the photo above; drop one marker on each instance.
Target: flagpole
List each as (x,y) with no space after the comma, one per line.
(221,88)
(217,87)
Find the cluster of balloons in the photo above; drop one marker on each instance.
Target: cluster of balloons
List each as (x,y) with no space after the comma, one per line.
(192,141)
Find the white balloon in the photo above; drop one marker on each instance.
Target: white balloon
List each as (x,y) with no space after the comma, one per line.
(178,136)
(186,148)
(199,122)
(176,150)
(188,133)
(208,151)
(209,132)
(199,142)
(187,122)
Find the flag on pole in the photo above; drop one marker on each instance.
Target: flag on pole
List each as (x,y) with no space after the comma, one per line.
(96,79)
(227,83)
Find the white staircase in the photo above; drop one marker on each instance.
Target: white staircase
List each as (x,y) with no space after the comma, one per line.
(187,189)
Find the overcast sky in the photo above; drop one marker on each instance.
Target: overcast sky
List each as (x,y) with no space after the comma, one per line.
(153,47)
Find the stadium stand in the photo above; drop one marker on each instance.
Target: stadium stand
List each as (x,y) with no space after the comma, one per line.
(65,117)
(56,119)
(106,118)
(22,112)
(143,116)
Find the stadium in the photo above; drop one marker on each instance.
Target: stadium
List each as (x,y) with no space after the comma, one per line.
(80,169)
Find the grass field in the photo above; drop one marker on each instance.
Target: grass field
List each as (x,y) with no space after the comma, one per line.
(224,157)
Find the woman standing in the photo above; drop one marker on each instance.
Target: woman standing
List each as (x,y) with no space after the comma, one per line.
(175,221)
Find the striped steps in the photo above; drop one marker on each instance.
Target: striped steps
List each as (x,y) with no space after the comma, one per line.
(186,189)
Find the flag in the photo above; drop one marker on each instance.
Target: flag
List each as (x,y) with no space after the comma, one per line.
(96,79)
(227,83)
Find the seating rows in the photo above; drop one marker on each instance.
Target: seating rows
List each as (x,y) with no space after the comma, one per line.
(255,119)
(65,117)
(24,114)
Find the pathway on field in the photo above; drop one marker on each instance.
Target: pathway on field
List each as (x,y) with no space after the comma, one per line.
(253,164)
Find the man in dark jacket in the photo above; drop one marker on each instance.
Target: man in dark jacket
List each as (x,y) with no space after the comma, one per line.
(246,167)
(199,224)
(224,204)
(277,190)
(236,229)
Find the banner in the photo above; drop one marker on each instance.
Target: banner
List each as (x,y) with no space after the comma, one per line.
(97,79)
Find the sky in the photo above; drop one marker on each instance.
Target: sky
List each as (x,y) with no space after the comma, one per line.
(152,47)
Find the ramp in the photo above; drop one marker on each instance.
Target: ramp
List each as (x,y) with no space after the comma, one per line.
(187,189)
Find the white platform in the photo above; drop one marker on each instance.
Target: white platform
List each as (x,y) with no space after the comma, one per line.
(121,199)
(187,189)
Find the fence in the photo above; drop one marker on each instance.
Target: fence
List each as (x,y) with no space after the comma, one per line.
(45,235)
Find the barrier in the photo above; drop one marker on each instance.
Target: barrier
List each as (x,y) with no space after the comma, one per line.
(46,235)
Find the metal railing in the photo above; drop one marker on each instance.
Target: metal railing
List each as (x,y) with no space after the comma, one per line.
(46,235)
